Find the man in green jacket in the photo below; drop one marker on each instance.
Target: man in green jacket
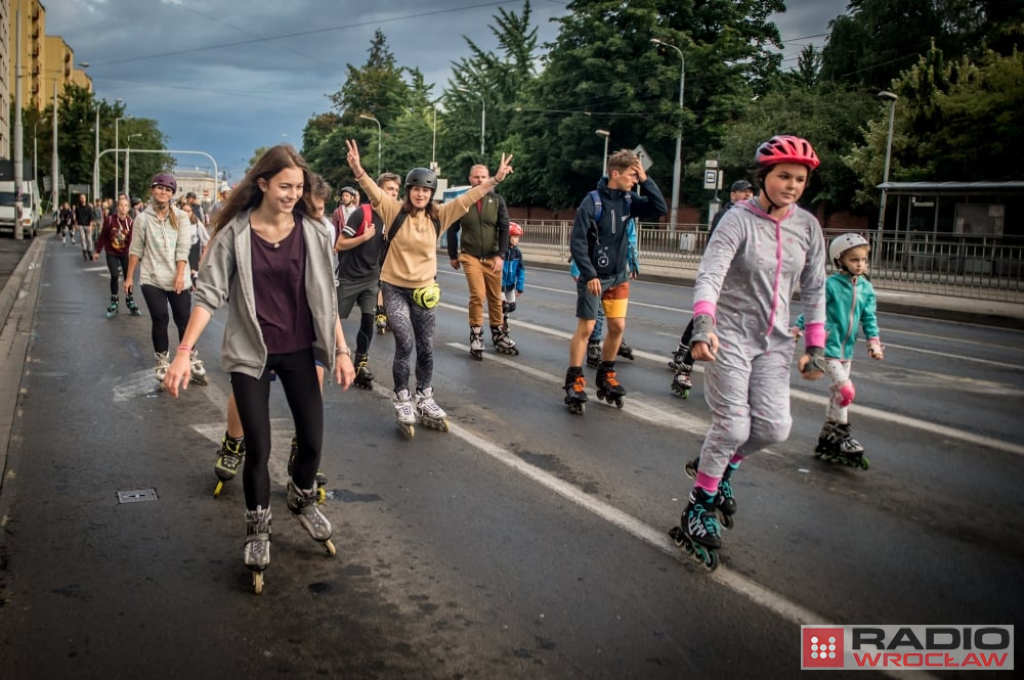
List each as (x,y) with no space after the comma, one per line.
(481,255)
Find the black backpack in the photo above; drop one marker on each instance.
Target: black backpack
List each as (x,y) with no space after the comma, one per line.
(395,226)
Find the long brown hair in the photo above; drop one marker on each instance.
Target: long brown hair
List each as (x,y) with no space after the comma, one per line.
(247,194)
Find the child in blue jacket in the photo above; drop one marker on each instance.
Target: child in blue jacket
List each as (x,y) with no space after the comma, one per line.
(849,309)
(513,273)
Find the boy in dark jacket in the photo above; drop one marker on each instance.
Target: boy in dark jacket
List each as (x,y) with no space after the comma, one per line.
(600,248)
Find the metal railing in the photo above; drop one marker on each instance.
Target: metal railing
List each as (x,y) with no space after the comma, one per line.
(960,265)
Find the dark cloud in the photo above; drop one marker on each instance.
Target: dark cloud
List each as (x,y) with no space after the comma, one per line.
(228,76)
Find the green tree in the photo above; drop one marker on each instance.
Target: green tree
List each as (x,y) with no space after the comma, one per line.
(602,72)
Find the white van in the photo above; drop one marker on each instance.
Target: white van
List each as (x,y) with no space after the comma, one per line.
(29,208)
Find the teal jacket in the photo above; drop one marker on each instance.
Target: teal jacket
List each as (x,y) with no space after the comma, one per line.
(849,307)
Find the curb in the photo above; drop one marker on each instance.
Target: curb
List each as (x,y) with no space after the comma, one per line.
(9,294)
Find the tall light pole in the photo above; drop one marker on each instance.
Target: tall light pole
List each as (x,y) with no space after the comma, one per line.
(54,174)
(117,154)
(483,119)
(604,164)
(127,161)
(17,152)
(678,164)
(366,116)
(891,97)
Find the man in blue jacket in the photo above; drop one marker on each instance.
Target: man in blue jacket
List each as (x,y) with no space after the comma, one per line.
(600,248)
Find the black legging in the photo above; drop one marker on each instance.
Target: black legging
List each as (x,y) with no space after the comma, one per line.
(113,262)
(157,300)
(365,334)
(297,374)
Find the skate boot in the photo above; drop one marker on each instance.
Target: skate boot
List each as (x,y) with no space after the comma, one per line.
(625,351)
(725,500)
(198,369)
(428,412)
(321,478)
(112,307)
(679,357)
(594,354)
(380,319)
(404,413)
(364,378)
(503,342)
(229,459)
(302,503)
(836,445)
(132,307)
(476,342)
(257,544)
(681,383)
(608,387)
(162,364)
(575,392)
(698,533)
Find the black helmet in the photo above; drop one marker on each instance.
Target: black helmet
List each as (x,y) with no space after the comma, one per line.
(421,177)
(740,185)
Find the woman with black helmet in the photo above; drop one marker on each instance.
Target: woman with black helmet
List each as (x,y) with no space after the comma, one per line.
(763,247)
(408,277)
(162,248)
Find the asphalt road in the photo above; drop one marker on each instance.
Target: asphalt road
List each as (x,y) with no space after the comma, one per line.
(527,542)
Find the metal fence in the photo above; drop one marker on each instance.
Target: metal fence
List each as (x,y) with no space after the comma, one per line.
(960,265)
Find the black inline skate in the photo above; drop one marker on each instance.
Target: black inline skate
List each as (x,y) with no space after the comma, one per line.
(594,354)
(698,533)
(302,504)
(380,319)
(503,342)
(364,378)
(679,357)
(725,500)
(575,391)
(257,544)
(112,307)
(132,307)
(230,457)
(625,351)
(321,478)
(476,342)
(681,382)
(608,387)
(837,445)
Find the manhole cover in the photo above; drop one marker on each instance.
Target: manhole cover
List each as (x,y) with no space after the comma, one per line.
(136,495)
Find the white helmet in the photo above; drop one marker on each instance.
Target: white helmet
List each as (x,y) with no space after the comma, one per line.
(840,244)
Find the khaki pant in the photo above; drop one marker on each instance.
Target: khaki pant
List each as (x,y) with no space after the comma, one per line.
(482,281)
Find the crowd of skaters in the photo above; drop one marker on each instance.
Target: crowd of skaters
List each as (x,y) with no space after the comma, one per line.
(289,277)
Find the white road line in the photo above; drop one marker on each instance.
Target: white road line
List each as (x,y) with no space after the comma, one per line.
(633,405)
(138,384)
(960,357)
(647,412)
(943,338)
(743,586)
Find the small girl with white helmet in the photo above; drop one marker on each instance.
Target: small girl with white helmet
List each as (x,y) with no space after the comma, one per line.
(849,308)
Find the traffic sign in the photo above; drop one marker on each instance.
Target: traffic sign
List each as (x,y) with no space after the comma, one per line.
(645,160)
(711,179)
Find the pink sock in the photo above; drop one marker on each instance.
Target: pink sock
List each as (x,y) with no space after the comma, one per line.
(707,482)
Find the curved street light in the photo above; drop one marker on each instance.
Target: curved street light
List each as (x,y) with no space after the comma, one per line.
(483,119)
(366,116)
(606,134)
(891,98)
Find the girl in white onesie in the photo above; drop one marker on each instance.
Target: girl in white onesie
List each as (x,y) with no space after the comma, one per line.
(762,248)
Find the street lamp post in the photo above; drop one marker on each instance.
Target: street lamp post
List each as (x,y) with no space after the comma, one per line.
(127,161)
(678,164)
(366,116)
(604,164)
(483,120)
(891,97)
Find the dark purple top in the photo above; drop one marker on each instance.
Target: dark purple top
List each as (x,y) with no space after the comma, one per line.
(279,279)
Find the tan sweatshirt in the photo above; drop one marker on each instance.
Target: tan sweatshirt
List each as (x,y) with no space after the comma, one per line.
(412,258)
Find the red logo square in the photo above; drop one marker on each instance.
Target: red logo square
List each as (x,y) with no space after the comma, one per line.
(821,647)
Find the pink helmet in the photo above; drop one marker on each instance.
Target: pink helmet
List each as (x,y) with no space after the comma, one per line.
(164,179)
(514,229)
(786,149)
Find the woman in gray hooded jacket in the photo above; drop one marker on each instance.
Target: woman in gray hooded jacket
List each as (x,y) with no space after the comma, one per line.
(271,264)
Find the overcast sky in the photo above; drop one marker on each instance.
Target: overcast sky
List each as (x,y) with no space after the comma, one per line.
(229,76)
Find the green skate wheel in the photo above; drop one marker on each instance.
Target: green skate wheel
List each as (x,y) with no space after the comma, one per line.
(710,560)
(321,495)
(864,464)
